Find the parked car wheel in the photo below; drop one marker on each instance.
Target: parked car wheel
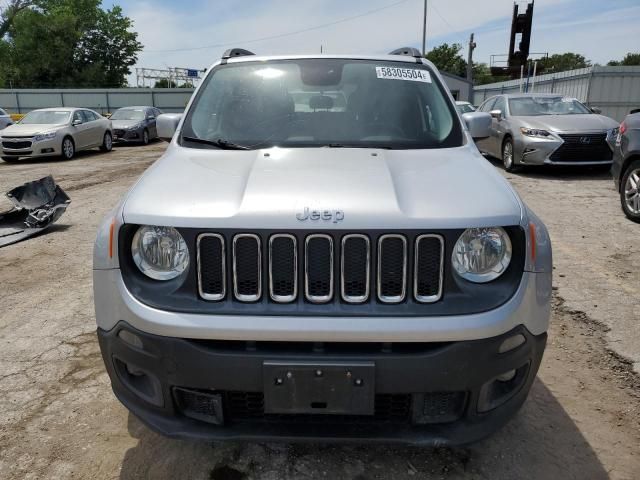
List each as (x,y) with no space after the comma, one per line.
(68,148)
(145,137)
(10,159)
(630,191)
(508,157)
(107,142)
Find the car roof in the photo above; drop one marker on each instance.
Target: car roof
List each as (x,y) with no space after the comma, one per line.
(135,107)
(529,95)
(385,58)
(59,109)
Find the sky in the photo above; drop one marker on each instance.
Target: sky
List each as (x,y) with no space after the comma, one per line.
(194,33)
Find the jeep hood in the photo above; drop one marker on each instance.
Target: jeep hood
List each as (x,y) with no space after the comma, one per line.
(207,188)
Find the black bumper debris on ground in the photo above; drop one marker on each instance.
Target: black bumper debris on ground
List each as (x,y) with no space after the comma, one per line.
(37,205)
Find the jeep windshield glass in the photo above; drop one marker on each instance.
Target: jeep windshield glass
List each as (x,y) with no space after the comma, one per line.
(534,106)
(322,102)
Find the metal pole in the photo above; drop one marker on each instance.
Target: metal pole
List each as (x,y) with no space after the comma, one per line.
(521,75)
(472,46)
(533,80)
(424,30)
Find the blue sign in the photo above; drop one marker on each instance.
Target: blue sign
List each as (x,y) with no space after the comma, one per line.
(192,73)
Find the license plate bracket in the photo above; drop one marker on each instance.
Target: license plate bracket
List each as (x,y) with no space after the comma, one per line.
(329,388)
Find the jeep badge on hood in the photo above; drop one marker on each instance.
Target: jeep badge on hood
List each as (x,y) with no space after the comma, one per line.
(327,215)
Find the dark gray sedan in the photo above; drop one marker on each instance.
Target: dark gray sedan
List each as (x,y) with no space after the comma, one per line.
(546,129)
(135,124)
(626,166)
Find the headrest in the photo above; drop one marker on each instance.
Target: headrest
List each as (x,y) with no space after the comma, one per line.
(321,102)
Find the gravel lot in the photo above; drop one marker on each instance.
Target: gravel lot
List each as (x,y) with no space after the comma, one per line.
(59,419)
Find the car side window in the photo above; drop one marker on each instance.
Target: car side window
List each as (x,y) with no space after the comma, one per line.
(158,112)
(87,116)
(77,116)
(3,113)
(501,104)
(486,106)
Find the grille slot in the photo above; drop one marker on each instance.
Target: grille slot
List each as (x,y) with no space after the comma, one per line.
(247,267)
(586,147)
(355,260)
(211,267)
(318,268)
(16,144)
(283,268)
(249,407)
(392,268)
(428,269)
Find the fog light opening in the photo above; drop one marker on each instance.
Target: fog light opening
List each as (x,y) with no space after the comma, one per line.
(506,376)
(511,343)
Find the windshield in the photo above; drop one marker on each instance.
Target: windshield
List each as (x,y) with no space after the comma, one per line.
(128,114)
(465,108)
(48,117)
(322,102)
(533,106)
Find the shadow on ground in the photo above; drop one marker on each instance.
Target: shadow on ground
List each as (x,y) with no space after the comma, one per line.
(542,441)
(558,172)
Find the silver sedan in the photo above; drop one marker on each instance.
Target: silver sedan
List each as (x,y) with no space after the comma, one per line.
(546,129)
(56,132)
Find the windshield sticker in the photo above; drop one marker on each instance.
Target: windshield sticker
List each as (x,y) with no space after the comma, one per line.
(395,73)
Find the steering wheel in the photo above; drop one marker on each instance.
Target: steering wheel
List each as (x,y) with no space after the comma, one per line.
(379,128)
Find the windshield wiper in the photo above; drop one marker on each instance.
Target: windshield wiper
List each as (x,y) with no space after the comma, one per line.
(220,143)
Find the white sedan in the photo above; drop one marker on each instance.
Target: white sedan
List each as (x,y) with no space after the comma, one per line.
(56,132)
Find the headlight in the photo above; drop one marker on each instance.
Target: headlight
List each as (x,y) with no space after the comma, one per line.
(134,127)
(534,132)
(482,254)
(160,252)
(44,136)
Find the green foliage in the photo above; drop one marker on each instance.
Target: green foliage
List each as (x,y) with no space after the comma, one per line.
(447,58)
(561,62)
(69,43)
(482,75)
(629,59)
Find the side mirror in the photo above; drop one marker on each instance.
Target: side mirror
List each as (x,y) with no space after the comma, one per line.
(596,110)
(478,124)
(167,124)
(497,114)
(76,122)
(151,117)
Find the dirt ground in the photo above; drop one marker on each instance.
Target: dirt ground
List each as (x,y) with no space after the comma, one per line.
(59,418)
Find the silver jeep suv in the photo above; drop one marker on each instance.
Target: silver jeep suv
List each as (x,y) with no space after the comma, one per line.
(323,253)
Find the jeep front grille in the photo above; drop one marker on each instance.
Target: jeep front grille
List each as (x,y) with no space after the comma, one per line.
(329,268)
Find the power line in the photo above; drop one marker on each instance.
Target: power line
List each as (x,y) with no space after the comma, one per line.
(272,37)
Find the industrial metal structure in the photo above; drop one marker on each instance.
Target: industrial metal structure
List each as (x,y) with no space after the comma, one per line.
(615,90)
(174,76)
(519,42)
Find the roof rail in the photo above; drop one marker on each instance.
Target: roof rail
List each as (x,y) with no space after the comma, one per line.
(236,52)
(409,51)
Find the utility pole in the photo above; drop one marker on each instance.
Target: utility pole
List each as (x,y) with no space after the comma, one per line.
(424,30)
(472,46)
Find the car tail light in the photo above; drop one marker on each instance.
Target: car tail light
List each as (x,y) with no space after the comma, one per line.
(623,128)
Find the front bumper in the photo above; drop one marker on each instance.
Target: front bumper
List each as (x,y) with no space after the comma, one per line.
(543,151)
(50,147)
(444,393)
(127,136)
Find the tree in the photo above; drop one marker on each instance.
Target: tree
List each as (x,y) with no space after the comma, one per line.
(9,13)
(68,43)
(629,59)
(482,75)
(561,62)
(164,83)
(447,58)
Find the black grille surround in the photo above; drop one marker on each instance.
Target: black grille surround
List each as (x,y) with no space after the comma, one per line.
(583,147)
(16,144)
(458,297)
